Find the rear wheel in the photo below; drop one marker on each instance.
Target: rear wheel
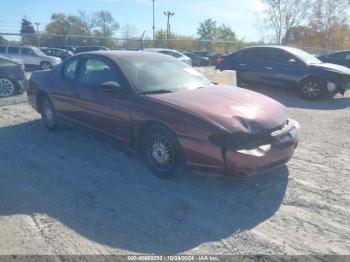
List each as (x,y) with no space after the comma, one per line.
(48,114)
(312,88)
(7,87)
(161,151)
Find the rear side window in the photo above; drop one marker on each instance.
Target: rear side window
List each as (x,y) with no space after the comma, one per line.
(13,50)
(70,69)
(2,49)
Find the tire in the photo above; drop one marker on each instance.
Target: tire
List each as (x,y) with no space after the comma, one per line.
(312,88)
(48,114)
(161,151)
(45,65)
(7,87)
(239,82)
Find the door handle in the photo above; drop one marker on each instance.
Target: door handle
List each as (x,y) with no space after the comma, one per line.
(243,64)
(268,68)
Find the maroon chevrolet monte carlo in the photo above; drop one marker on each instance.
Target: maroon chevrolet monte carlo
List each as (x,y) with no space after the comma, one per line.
(167,111)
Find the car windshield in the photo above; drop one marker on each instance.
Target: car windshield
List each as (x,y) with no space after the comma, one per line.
(304,56)
(149,75)
(38,51)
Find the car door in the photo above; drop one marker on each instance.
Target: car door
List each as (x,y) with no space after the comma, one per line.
(29,56)
(66,94)
(287,70)
(104,110)
(252,65)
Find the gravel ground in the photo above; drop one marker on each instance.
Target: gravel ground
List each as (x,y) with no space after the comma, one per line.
(73,192)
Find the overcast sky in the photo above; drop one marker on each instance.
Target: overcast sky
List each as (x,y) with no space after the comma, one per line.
(240,15)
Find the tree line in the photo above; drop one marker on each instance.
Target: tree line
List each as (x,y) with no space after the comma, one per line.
(98,28)
(306,23)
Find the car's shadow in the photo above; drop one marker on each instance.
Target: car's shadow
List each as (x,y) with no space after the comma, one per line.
(290,98)
(107,196)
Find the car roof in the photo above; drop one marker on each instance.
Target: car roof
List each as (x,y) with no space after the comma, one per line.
(115,54)
(161,49)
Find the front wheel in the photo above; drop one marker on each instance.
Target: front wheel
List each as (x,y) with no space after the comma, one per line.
(162,152)
(312,88)
(7,87)
(48,114)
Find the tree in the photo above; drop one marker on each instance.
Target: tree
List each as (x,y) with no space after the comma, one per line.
(88,20)
(27,27)
(27,31)
(207,29)
(106,23)
(225,33)
(281,15)
(326,17)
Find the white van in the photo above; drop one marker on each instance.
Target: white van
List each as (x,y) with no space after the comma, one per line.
(31,56)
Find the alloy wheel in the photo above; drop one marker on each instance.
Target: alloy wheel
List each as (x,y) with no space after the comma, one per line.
(7,88)
(161,153)
(311,89)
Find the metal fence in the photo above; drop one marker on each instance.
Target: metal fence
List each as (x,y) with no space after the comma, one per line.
(66,41)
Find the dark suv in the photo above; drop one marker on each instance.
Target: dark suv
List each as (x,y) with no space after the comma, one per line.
(287,66)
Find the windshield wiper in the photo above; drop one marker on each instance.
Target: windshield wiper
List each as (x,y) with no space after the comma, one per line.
(154,92)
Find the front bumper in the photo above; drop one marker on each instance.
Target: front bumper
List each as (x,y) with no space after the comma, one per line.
(280,151)
(205,156)
(337,87)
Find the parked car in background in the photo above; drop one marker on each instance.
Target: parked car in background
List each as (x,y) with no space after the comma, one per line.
(339,58)
(196,59)
(81,49)
(213,57)
(201,53)
(57,52)
(12,77)
(173,53)
(167,111)
(287,66)
(66,48)
(31,56)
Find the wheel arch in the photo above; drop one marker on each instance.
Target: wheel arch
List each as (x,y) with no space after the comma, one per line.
(142,127)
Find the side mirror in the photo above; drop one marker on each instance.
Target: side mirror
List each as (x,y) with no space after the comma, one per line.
(292,61)
(110,86)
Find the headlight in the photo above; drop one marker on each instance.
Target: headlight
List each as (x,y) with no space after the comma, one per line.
(241,141)
(259,151)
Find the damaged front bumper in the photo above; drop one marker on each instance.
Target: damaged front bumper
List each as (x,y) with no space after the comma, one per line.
(279,151)
(339,86)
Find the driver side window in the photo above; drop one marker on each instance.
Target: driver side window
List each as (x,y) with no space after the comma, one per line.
(70,69)
(96,72)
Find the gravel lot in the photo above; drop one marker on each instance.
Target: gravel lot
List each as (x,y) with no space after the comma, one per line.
(73,192)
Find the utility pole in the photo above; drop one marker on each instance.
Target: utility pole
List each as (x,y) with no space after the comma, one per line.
(37,31)
(168,15)
(154,27)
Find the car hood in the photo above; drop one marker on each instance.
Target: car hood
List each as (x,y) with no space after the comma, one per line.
(231,108)
(333,67)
